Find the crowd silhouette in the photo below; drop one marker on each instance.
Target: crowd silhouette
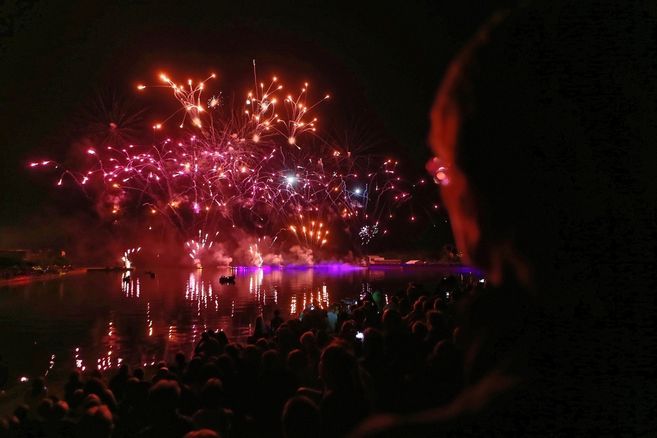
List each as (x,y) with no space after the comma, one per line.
(293,378)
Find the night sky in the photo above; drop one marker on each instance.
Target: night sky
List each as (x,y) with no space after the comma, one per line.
(381,62)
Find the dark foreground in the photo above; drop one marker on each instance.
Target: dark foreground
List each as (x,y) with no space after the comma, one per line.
(318,374)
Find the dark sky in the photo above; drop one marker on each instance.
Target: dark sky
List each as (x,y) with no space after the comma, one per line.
(382,61)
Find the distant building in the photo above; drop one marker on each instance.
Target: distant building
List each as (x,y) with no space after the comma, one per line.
(378,260)
(39,256)
(13,255)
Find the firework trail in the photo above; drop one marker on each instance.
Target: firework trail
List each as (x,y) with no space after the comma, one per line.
(256,255)
(197,247)
(257,168)
(310,234)
(126,258)
(367,233)
(110,120)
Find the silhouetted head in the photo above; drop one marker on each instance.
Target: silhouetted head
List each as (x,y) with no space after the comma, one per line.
(260,328)
(308,341)
(337,367)
(271,362)
(221,337)
(60,410)
(133,390)
(161,373)
(286,339)
(391,320)
(77,398)
(251,356)
(180,359)
(300,418)
(373,343)
(227,365)
(348,330)
(297,361)
(436,320)
(209,370)
(91,400)
(544,139)
(95,386)
(202,433)
(96,422)
(138,373)
(233,350)
(419,330)
(38,386)
(44,409)
(164,396)
(262,344)
(124,370)
(212,394)
(21,411)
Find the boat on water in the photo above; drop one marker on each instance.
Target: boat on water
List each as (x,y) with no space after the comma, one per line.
(227,279)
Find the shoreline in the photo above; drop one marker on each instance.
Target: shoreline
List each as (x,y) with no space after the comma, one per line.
(450,267)
(25,279)
(56,379)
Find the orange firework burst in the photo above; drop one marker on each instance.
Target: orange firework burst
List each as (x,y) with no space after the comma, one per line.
(311,233)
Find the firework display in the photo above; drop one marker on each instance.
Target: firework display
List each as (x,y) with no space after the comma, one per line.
(368,232)
(126,259)
(256,255)
(197,247)
(312,234)
(258,167)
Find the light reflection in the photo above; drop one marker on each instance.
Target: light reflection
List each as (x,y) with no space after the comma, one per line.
(318,298)
(107,360)
(200,292)
(51,364)
(255,284)
(149,321)
(293,305)
(202,295)
(130,287)
(183,304)
(325,296)
(275,276)
(79,365)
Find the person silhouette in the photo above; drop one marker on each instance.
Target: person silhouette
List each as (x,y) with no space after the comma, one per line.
(544,144)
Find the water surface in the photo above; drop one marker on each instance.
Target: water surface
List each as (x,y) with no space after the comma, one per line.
(98,320)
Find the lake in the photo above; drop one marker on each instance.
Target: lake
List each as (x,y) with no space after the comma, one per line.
(98,320)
